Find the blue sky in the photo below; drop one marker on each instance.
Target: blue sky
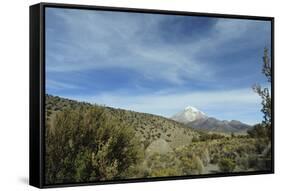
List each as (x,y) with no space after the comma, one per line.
(157,64)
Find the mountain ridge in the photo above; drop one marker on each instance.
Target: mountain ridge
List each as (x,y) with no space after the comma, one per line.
(197,119)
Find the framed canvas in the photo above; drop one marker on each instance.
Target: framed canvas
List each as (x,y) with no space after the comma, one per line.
(123,95)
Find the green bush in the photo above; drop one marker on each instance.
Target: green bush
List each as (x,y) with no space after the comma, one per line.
(253,161)
(260,131)
(209,136)
(158,165)
(192,165)
(215,158)
(227,165)
(243,163)
(87,144)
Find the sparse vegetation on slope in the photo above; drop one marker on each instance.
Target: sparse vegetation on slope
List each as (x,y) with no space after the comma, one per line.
(86,142)
(147,127)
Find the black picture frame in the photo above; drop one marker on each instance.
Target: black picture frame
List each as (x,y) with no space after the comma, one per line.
(37,92)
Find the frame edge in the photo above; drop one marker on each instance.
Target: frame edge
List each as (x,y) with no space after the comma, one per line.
(34,99)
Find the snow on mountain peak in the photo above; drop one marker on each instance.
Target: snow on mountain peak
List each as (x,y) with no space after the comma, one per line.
(197,119)
(189,114)
(190,108)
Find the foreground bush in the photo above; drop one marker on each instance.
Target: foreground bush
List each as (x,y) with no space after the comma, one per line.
(160,165)
(87,144)
(227,165)
(192,165)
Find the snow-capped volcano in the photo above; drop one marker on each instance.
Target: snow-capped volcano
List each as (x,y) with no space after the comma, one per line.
(195,118)
(189,114)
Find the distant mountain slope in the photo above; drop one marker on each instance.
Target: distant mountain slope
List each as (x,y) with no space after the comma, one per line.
(148,127)
(213,124)
(199,120)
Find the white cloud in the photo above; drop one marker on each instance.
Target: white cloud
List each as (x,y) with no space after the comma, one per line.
(102,39)
(55,85)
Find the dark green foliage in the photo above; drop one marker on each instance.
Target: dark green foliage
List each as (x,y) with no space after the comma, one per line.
(227,165)
(264,93)
(262,132)
(207,137)
(215,158)
(259,131)
(87,144)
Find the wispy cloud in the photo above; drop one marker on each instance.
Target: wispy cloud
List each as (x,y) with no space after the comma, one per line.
(93,40)
(55,85)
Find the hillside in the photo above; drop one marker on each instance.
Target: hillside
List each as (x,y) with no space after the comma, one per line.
(147,126)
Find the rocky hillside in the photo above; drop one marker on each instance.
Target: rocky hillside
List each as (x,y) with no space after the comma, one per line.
(148,127)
